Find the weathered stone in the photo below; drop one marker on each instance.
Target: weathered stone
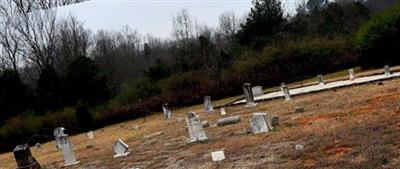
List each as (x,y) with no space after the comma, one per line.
(299,147)
(208,106)
(321,80)
(286,92)
(228,120)
(68,150)
(90,135)
(352,74)
(248,94)
(195,128)
(24,158)
(259,123)
(153,135)
(179,119)
(120,149)
(257,91)
(205,124)
(298,109)
(387,70)
(223,111)
(38,146)
(218,156)
(58,132)
(167,112)
(275,121)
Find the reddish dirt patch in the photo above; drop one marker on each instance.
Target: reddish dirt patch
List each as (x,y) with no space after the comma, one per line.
(338,150)
(364,110)
(310,163)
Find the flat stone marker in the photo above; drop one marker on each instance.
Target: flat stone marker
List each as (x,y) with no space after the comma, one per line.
(90,135)
(299,147)
(352,75)
(286,92)
(257,91)
(223,111)
(153,135)
(167,112)
(218,156)
(298,109)
(120,149)
(248,94)
(208,106)
(321,80)
(387,70)
(195,128)
(68,151)
(228,120)
(259,123)
(24,158)
(275,121)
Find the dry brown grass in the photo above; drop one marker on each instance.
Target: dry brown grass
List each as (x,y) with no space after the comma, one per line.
(356,128)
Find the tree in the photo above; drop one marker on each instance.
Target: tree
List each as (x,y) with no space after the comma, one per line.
(183,26)
(263,22)
(49,90)
(158,71)
(316,4)
(84,117)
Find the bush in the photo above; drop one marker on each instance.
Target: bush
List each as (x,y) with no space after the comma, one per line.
(378,39)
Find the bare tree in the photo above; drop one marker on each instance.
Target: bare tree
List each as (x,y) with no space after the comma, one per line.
(228,23)
(183,26)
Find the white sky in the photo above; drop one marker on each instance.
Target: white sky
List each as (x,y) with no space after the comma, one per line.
(154,16)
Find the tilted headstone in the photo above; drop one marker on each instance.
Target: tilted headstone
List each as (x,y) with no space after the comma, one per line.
(275,121)
(286,92)
(24,158)
(228,120)
(248,94)
(321,80)
(68,150)
(259,123)
(208,106)
(257,91)
(223,111)
(167,112)
(195,128)
(59,131)
(120,149)
(352,74)
(90,135)
(387,70)
(218,156)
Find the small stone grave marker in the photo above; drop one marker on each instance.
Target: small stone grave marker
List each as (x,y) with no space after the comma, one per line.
(205,124)
(195,128)
(38,146)
(257,91)
(321,80)
(259,123)
(275,121)
(223,111)
(120,149)
(299,147)
(387,70)
(218,155)
(208,106)
(352,74)
(286,92)
(68,151)
(24,158)
(248,94)
(228,120)
(90,135)
(57,133)
(298,109)
(167,112)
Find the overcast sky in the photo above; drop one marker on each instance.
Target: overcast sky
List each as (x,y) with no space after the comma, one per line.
(153,16)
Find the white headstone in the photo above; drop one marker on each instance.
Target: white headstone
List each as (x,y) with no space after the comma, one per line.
(90,135)
(387,70)
(352,75)
(286,92)
(257,91)
(59,131)
(167,112)
(299,147)
(321,80)
(120,149)
(259,123)
(68,150)
(218,156)
(195,128)
(208,106)
(223,111)
(248,94)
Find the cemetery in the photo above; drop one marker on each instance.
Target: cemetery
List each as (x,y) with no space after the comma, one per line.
(341,127)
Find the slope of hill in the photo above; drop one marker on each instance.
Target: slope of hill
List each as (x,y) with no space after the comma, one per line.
(355,127)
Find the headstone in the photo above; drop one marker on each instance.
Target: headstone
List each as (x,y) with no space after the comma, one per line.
(321,80)
(286,92)
(275,121)
(387,70)
(59,131)
(38,146)
(259,123)
(299,147)
(24,158)
(218,156)
(298,109)
(352,75)
(195,128)
(167,112)
(223,111)
(90,135)
(257,91)
(68,150)
(248,94)
(208,107)
(120,149)
(228,120)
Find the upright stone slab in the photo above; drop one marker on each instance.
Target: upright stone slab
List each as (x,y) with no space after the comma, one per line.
(59,131)
(195,128)
(259,123)
(248,94)
(167,112)
(321,80)
(352,75)
(218,155)
(24,158)
(257,91)
(68,150)
(38,146)
(208,106)
(223,111)
(120,149)
(286,92)
(275,121)
(387,70)
(90,135)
